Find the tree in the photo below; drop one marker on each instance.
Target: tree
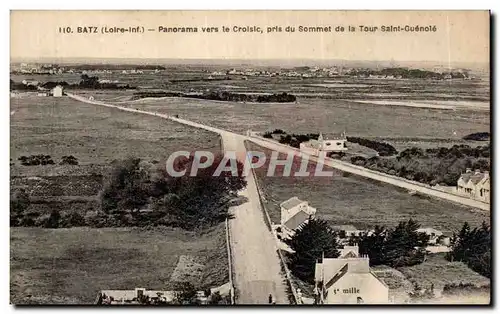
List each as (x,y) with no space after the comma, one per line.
(185,293)
(19,203)
(126,189)
(473,247)
(53,220)
(405,246)
(397,247)
(373,245)
(215,298)
(311,242)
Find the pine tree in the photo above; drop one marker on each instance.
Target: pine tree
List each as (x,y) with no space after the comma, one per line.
(310,242)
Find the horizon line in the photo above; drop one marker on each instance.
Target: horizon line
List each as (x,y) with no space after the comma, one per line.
(107,60)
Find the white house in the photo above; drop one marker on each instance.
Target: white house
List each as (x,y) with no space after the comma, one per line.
(57,91)
(337,144)
(475,185)
(294,213)
(348,280)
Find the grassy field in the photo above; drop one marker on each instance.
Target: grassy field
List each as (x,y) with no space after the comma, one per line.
(348,199)
(51,266)
(438,271)
(327,116)
(96,135)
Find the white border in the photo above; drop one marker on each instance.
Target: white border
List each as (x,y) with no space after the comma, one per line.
(212,5)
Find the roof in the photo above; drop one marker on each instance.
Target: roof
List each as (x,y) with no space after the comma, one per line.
(474,177)
(291,203)
(129,296)
(365,280)
(353,250)
(296,220)
(331,266)
(345,228)
(356,271)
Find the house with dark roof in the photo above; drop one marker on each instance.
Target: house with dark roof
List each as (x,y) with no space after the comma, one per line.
(295,213)
(475,185)
(348,280)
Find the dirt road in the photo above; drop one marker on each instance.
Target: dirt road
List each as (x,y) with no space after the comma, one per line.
(256,265)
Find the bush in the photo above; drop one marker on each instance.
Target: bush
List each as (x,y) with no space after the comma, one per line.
(19,203)
(54,220)
(69,160)
(36,160)
(268,135)
(136,196)
(464,288)
(74,219)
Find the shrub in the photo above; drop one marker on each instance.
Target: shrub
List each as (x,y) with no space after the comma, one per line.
(268,135)
(69,160)
(54,220)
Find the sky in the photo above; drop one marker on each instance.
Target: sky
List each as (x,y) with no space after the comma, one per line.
(459,36)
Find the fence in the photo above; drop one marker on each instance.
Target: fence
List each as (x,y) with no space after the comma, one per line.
(282,259)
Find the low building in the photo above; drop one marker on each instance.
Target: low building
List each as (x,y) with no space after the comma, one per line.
(142,296)
(57,91)
(347,231)
(295,213)
(337,144)
(475,185)
(348,280)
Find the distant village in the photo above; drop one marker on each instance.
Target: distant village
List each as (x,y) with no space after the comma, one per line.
(392,73)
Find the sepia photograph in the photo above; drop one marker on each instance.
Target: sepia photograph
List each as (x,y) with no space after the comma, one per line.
(300,158)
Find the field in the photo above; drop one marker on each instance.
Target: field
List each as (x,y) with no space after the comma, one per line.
(69,266)
(56,266)
(349,199)
(438,271)
(419,111)
(95,135)
(327,116)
